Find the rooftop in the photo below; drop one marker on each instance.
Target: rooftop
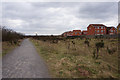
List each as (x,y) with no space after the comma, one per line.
(95,25)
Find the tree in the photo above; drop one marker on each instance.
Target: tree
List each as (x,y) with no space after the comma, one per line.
(87,42)
(98,46)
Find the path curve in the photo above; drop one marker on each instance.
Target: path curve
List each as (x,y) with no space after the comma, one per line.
(24,62)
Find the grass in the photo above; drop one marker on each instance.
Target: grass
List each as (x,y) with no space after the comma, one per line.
(7,47)
(77,61)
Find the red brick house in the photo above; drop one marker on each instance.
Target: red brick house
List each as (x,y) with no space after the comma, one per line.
(96,29)
(118,29)
(72,33)
(68,33)
(76,33)
(64,34)
(111,30)
(84,32)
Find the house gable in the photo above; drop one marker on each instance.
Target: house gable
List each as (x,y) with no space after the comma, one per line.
(118,28)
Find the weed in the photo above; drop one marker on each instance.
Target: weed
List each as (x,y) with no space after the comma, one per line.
(69,63)
(87,42)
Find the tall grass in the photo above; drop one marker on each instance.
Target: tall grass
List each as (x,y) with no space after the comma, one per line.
(77,61)
(10,39)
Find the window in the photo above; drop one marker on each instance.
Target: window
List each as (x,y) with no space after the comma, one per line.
(98,31)
(75,32)
(98,27)
(119,28)
(79,32)
(101,27)
(101,30)
(111,30)
(89,28)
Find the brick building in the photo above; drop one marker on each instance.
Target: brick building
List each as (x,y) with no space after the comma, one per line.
(72,33)
(68,33)
(111,30)
(76,33)
(84,32)
(118,28)
(96,29)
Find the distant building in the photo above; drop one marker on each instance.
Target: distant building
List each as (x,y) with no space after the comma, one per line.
(118,28)
(68,33)
(76,33)
(84,32)
(111,30)
(96,29)
(72,33)
(64,34)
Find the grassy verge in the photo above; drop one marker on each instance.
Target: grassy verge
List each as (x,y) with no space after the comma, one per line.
(7,47)
(77,61)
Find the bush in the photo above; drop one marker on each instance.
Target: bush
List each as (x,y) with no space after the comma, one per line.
(86,42)
(10,35)
(111,51)
(94,52)
(98,46)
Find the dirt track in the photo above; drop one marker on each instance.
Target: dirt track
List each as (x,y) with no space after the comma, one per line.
(24,62)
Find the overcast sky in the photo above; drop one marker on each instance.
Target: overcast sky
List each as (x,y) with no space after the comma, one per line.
(57,17)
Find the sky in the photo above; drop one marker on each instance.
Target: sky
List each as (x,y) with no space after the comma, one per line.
(54,18)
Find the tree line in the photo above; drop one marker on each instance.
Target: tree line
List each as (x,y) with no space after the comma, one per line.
(10,35)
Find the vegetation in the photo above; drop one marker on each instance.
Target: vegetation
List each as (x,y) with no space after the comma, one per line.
(10,35)
(98,46)
(71,58)
(7,47)
(10,39)
(87,42)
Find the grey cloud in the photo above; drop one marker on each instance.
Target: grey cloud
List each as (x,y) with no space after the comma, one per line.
(37,17)
(103,10)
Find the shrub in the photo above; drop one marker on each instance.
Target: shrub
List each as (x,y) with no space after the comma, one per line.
(94,52)
(111,51)
(86,42)
(99,45)
(10,35)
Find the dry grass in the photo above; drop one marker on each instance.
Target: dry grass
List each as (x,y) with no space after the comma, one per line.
(78,61)
(7,47)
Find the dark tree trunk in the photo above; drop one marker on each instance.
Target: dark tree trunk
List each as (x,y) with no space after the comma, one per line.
(97,53)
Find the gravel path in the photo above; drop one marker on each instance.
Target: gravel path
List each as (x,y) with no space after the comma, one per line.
(24,62)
